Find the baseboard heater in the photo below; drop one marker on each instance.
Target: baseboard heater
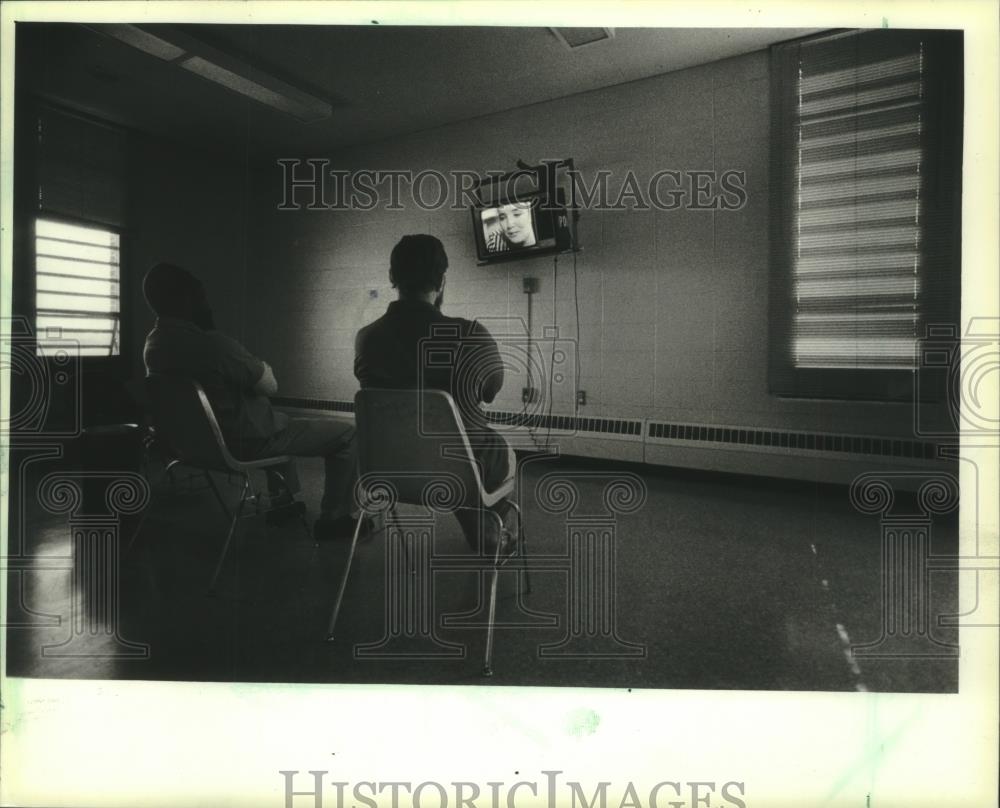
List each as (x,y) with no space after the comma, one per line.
(324,404)
(561,423)
(661,433)
(741,437)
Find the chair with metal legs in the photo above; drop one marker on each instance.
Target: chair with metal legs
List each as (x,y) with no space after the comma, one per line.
(185,423)
(413,449)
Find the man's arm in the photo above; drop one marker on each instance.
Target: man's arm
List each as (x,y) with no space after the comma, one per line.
(242,369)
(267,385)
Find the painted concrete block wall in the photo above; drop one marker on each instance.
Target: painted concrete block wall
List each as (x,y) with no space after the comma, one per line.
(187,208)
(672,304)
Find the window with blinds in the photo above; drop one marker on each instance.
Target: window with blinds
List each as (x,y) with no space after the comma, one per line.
(77,288)
(867,174)
(78,203)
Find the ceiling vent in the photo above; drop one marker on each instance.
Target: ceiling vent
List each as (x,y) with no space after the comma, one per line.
(576,38)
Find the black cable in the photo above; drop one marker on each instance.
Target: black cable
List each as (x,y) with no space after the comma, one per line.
(523,418)
(552,356)
(578,364)
(530,379)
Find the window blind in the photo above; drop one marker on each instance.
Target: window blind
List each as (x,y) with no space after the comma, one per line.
(77,280)
(79,207)
(867,163)
(81,167)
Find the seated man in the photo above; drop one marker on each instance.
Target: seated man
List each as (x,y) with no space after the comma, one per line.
(184,342)
(387,355)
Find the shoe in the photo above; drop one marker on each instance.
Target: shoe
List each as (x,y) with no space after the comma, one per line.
(326,529)
(281,514)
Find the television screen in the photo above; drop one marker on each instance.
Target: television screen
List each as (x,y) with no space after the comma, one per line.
(518,228)
(509,227)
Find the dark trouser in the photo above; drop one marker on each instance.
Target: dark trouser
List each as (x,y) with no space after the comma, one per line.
(329,438)
(496,466)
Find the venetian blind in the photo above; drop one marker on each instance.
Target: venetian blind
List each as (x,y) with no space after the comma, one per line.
(867,222)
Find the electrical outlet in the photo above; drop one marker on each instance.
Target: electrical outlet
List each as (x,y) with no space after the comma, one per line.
(581,397)
(529,395)
(529,285)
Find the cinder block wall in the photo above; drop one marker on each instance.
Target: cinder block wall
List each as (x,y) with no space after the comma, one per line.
(672,304)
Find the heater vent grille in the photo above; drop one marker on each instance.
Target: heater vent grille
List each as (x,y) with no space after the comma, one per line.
(727,436)
(802,441)
(569,423)
(313,403)
(604,426)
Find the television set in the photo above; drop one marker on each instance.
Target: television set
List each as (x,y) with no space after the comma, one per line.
(520,227)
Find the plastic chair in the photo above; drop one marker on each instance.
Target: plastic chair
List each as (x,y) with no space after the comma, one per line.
(413,449)
(186,424)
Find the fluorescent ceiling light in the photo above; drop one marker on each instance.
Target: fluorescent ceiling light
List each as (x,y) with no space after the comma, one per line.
(227,71)
(290,101)
(143,40)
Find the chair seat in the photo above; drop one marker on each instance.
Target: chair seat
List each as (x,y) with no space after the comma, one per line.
(261,462)
(236,466)
(491,498)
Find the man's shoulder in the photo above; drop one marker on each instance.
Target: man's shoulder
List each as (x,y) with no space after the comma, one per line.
(461,327)
(374,327)
(168,337)
(437,323)
(223,341)
(475,328)
(458,324)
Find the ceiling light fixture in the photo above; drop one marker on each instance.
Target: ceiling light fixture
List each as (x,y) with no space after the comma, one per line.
(236,75)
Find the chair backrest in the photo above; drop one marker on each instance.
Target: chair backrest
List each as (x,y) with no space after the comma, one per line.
(414,440)
(184,419)
(136,389)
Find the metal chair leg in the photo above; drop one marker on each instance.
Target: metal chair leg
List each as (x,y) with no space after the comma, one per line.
(218,496)
(168,474)
(522,541)
(138,529)
(343,579)
(488,660)
(229,536)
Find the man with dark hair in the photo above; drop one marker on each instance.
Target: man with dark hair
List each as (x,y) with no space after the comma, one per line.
(387,355)
(184,342)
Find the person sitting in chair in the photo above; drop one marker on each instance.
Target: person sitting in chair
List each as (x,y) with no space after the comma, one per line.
(388,356)
(184,342)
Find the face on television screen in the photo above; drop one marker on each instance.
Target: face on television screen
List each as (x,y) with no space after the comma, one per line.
(508,227)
